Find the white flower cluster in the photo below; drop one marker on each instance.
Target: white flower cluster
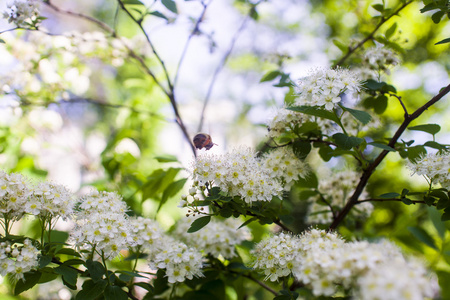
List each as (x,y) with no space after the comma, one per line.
(102,225)
(435,167)
(276,256)
(285,166)
(180,261)
(15,192)
(147,234)
(218,238)
(164,252)
(325,87)
(16,260)
(380,58)
(336,188)
(324,262)
(285,121)
(22,12)
(51,201)
(47,200)
(239,173)
(50,66)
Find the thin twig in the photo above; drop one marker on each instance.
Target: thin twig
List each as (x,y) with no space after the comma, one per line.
(333,213)
(262,284)
(383,20)
(170,91)
(388,199)
(147,37)
(195,31)
(399,98)
(101,24)
(11,29)
(284,227)
(371,168)
(219,69)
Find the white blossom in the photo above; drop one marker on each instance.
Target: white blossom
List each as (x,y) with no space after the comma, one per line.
(16,259)
(218,238)
(239,173)
(435,167)
(324,87)
(22,12)
(102,225)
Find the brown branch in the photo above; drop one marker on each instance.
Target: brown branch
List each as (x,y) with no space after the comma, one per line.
(170,91)
(195,31)
(219,69)
(101,24)
(387,200)
(383,20)
(371,168)
(401,102)
(262,284)
(147,37)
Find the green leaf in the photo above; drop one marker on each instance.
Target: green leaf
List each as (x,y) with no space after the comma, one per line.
(199,224)
(270,76)
(170,5)
(437,16)
(160,283)
(416,152)
(216,288)
(171,191)
(326,152)
(48,274)
(346,142)
(115,293)
(382,146)
(445,216)
(44,260)
(423,236)
(315,111)
(444,41)
(30,279)
(71,262)
(389,195)
(435,218)
(374,85)
(91,290)
(248,222)
(340,45)
(145,285)
(435,145)
(429,128)
(166,158)
(301,148)
(158,14)
(444,283)
(2,41)
(132,2)
(359,115)
(391,30)
(310,181)
(68,251)
(378,7)
(428,7)
(68,274)
(96,269)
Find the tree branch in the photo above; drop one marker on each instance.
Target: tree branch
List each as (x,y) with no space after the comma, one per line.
(369,36)
(387,200)
(195,31)
(147,37)
(101,24)
(371,168)
(219,69)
